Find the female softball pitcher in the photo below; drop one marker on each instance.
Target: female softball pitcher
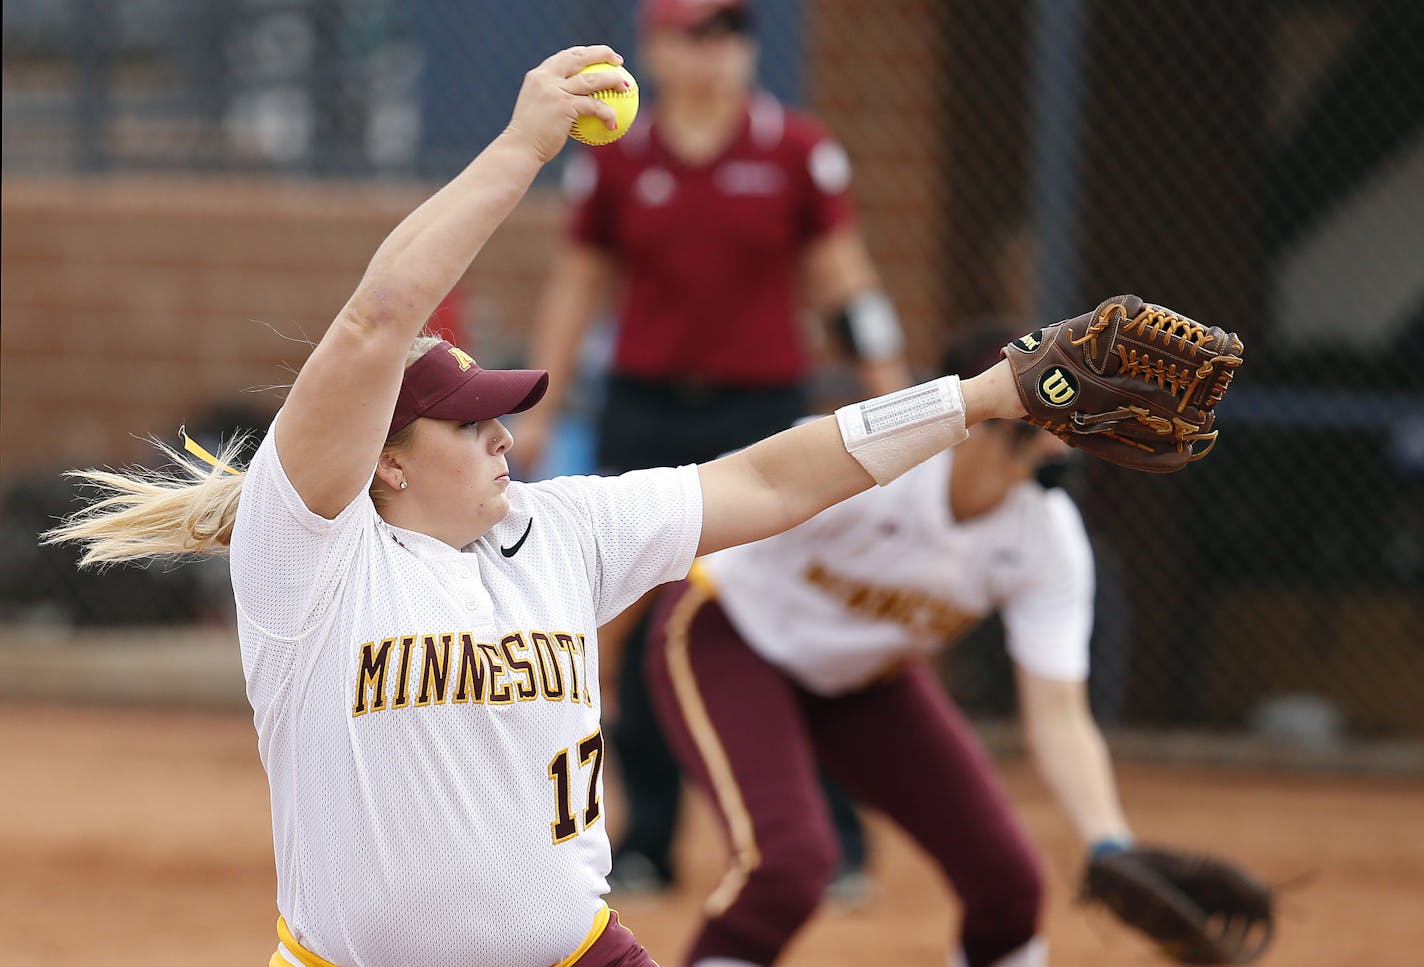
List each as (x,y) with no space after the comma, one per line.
(418,632)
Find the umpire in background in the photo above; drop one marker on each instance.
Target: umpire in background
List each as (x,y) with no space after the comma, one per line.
(714,223)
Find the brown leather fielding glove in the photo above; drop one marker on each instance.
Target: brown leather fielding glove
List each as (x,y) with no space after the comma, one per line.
(1132,383)
(1198,909)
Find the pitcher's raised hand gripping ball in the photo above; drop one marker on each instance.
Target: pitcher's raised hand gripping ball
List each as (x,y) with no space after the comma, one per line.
(1130,382)
(1198,909)
(624,100)
(584,95)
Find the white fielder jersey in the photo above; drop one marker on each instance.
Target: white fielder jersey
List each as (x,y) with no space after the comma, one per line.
(889,574)
(429,718)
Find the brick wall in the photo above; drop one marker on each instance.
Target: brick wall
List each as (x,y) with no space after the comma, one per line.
(884,105)
(130,306)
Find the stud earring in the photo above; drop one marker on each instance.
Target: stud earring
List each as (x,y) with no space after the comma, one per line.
(404,485)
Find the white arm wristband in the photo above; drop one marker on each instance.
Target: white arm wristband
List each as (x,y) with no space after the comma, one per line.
(890,434)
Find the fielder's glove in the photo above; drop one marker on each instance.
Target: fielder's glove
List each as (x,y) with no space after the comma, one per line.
(1198,909)
(1130,382)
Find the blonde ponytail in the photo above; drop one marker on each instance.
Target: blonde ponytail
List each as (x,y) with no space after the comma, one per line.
(140,513)
(180,513)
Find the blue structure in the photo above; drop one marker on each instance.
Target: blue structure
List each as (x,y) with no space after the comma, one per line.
(476,53)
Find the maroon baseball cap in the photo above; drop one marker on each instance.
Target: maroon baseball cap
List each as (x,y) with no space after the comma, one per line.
(447,384)
(686,14)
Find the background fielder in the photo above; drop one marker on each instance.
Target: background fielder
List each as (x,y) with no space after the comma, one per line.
(708,230)
(811,647)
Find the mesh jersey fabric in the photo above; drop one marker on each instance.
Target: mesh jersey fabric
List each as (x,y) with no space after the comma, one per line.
(421,710)
(889,574)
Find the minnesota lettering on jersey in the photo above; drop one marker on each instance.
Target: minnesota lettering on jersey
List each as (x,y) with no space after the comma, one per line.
(911,608)
(417,670)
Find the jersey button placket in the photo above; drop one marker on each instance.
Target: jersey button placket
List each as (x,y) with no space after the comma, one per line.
(472,590)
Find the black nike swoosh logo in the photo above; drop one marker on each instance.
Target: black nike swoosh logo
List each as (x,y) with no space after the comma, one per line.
(511,551)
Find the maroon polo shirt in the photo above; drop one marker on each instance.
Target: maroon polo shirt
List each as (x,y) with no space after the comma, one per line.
(709,254)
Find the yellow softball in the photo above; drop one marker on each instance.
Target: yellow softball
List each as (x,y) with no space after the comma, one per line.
(588,128)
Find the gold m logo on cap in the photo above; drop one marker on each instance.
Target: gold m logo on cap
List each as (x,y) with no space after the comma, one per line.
(463,358)
(1057,387)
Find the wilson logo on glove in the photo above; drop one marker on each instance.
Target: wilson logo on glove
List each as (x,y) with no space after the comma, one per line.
(1030,342)
(1057,387)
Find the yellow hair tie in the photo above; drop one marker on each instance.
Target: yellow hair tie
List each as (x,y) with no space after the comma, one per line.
(197,450)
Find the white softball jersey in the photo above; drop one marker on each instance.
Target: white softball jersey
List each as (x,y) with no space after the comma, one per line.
(429,717)
(889,575)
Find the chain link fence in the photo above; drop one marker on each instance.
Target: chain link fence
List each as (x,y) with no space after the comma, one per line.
(1259,165)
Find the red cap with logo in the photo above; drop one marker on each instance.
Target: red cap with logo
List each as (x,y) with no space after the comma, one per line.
(447,384)
(685,14)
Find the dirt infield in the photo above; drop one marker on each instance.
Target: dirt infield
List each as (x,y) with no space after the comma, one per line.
(143,838)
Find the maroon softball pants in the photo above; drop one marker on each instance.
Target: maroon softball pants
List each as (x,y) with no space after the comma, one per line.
(751,738)
(615,947)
